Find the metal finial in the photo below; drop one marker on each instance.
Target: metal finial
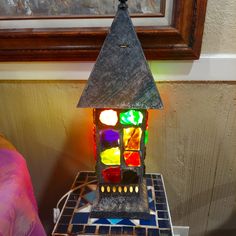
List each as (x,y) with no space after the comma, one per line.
(123,4)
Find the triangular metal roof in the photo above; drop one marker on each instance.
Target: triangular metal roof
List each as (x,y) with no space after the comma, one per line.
(121,77)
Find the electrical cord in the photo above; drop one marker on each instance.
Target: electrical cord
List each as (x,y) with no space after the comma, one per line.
(56,211)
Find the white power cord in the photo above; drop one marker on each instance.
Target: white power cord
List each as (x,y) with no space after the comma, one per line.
(56,211)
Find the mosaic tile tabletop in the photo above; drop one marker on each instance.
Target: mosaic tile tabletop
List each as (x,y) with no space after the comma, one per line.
(75,216)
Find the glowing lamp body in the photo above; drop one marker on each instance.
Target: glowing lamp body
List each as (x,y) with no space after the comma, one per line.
(120,149)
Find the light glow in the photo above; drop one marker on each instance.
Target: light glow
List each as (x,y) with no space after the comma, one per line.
(108,117)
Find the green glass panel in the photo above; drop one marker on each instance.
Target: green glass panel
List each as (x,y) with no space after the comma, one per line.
(131,117)
(131,138)
(111,156)
(146,137)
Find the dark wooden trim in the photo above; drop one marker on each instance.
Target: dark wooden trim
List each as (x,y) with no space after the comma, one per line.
(182,40)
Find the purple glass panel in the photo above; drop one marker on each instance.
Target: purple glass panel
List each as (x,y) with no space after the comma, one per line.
(109,138)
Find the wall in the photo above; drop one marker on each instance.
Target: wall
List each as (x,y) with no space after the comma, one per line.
(192,141)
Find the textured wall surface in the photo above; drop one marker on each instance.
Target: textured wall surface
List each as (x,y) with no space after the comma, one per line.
(220,27)
(192,142)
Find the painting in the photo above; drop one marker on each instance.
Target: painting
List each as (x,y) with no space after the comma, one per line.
(48,30)
(76,8)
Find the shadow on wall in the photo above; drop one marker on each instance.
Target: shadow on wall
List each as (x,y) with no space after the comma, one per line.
(228,228)
(74,157)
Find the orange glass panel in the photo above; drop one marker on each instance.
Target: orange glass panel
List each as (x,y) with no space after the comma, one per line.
(131,138)
(132,158)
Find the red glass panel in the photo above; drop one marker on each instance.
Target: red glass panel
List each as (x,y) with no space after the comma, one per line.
(112,175)
(132,158)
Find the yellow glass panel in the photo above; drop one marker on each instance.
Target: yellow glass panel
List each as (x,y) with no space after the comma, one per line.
(131,138)
(111,156)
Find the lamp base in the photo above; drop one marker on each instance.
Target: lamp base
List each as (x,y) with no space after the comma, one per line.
(122,206)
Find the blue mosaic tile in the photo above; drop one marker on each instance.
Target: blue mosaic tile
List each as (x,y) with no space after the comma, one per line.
(128,230)
(158,188)
(81,224)
(161,207)
(149,182)
(114,221)
(149,192)
(64,220)
(71,204)
(165,233)
(90,196)
(151,221)
(62,228)
(83,202)
(140,231)
(160,199)
(152,206)
(102,221)
(77,228)
(153,232)
(164,223)
(163,214)
(160,193)
(116,230)
(90,229)
(126,222)
(104,230)
(68,211)
(80,218)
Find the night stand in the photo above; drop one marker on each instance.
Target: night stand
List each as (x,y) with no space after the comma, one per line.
(75,215)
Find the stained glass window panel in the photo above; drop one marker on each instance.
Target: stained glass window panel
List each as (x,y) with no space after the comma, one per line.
(112,175)
(111,156)
(108,117)
(109,138)
(131,117)
(132,158)
(131,138)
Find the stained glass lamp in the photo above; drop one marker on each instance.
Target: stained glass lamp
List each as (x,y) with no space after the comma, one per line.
(120,89)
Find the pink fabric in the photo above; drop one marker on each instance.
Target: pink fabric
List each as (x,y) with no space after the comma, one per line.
(18,208)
